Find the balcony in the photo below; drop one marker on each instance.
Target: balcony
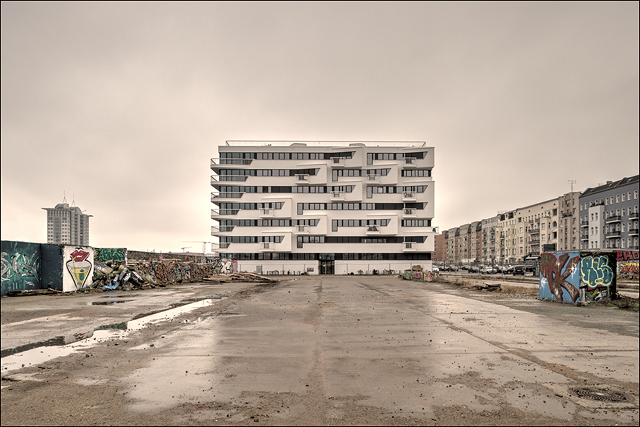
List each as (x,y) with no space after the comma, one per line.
(408,196)
(232,178)
(216,162)
(267,213)
(633,232)
(409,163)
(373,179)
(337,195)
(534,231)
(584,223)
(216,196)
(409,246)
(267,246)
(584,237)
(337,162)
(612,234)
(613,218)
(302,179)
(409,212)
(633,215)
(373,229)
(215,213)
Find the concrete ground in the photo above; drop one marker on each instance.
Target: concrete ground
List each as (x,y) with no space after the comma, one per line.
(345,350)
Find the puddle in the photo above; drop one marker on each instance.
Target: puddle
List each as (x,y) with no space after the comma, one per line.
(167,314)
(109,302)
(37,356)
(41,355)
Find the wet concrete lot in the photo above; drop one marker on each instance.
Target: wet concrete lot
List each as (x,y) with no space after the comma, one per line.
(349,350)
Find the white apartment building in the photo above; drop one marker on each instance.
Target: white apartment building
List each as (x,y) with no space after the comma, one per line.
(324,207)
(67,225)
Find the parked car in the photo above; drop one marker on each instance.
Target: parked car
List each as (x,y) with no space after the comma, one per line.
(488,270)
(435,270)
(508,270)
(518,269)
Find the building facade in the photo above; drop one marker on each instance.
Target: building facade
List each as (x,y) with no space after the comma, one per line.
(324,207)
(609,215)
(489,240)
(67,225)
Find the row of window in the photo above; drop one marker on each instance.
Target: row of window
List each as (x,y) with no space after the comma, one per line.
(423,256)
(357,206)
(610,200)
(268,222)
(250,239)
(251,206)
(286,156)
(269,172)
(357,239)
(357,223)
(394,156)
(416,172)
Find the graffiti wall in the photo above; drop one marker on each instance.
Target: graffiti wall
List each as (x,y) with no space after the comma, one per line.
(116,255)
(560,276)
(627,267)
(573,276)
(78,267)
(598,275)
(20,266)
(418,276)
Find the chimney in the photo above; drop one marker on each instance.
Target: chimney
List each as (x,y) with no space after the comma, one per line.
(609,182)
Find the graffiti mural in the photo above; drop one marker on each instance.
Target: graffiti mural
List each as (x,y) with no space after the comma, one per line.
(598,275)
(20,266)
(628,268)
(560,276)
(110,254)
(419,276)
(80,268)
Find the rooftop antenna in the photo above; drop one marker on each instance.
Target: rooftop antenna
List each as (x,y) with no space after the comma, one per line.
(64,196)
(571,182)
(73,203)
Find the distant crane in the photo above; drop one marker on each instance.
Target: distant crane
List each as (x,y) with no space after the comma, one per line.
(186,247)
(204,244)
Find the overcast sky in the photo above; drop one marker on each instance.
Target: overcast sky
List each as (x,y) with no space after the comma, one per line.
(122,105)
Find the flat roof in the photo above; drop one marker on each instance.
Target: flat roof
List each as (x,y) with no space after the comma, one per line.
(253,143)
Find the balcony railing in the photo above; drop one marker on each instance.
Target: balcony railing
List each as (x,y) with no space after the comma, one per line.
(302,178)
(614,218)
(219,212)
(633,215)
(612,234)
(633,231)
(227,195)
(232,177)
(218,161)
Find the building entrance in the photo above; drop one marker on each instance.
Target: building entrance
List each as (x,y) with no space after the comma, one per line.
(327,263)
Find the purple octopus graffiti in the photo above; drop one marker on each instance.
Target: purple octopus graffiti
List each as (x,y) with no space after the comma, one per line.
(558,275)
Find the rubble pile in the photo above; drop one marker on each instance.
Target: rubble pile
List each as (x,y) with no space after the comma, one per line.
(249,278)
(149,274)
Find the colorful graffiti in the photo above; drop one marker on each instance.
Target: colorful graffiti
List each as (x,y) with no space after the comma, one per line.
(628,265)
(598,275)
(79,267)
(110,254)
(20,266)
(560,276)
(418,276)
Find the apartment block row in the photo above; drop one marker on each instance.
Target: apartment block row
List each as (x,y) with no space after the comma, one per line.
(603,217)
(324,207)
